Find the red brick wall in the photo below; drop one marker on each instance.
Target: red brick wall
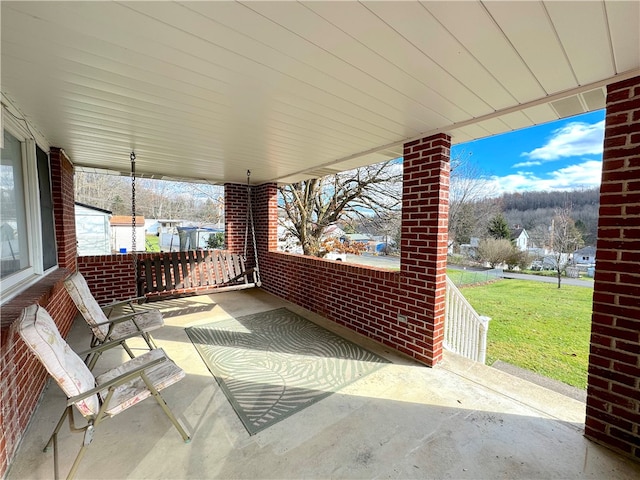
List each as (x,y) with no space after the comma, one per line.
(109,277)
(613,401)
(62,191)
(265,205)
(235,216)
(369,300)
(22,378)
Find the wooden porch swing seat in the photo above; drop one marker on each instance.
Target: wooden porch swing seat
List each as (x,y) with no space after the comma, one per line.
(194,271)
(101,397)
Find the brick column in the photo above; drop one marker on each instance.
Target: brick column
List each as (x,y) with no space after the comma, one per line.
(264,204)
(62,191)
(613,401)
(235,216)
(423,260)
(265,216)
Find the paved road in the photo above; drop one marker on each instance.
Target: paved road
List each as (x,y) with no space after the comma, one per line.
(538,278)
(394,263)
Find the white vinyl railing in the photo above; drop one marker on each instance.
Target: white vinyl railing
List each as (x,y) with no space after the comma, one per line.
(465,332)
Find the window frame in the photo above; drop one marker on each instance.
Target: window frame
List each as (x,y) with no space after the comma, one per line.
(15,283)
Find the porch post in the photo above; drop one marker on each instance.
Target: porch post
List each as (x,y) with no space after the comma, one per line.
(265,218)
(613,403)
(63,207)
(423,258)
(235,216)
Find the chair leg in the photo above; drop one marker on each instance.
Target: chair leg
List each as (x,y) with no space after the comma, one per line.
(67,411)
(167,410)
(149,339)
(93,361)
(76,462)
(127,349)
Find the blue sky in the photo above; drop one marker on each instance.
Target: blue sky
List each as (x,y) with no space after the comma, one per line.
(561,155)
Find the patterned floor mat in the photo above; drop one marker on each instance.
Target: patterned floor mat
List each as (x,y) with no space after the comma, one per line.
(273,364)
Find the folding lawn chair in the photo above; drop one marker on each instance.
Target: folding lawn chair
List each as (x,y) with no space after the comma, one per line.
(116,329)
(96,398)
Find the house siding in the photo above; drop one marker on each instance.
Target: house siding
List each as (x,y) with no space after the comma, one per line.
(613,403)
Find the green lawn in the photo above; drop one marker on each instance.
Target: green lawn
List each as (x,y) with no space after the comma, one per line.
(152,243)
(537,326)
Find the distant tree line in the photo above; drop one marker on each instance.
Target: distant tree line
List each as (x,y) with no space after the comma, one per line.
(535,210)
(200,203)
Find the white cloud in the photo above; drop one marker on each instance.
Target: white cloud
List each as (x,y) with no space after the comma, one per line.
(576,138)
(582,175)
(526,164)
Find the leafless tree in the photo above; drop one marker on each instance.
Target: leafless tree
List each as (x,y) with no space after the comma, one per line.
(564,239)
(469,212)
(310,206)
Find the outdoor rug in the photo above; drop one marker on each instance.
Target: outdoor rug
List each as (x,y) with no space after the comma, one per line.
(273,364)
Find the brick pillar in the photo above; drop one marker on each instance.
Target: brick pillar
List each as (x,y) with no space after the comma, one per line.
(62,190)
(264,204)
(613,401)
(235,216)
(423,260)
(265,216)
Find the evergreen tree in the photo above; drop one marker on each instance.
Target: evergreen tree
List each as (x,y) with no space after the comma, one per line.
(498,228)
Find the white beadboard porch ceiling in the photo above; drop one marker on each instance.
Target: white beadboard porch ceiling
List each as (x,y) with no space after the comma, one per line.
(290,90)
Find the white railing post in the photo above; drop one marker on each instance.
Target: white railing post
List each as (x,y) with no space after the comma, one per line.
(465,332)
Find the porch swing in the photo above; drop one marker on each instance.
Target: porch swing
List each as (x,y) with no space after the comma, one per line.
(194,272)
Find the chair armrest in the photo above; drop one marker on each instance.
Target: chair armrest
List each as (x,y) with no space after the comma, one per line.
(109,308)
(120,319)
(117,381)
(108,345)
(122,302)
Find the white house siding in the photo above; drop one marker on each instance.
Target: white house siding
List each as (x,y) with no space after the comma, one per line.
(93,231)
(121,238)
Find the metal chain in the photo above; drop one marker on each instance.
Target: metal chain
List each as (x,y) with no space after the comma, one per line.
(248,219)
(256,274)
(133,218)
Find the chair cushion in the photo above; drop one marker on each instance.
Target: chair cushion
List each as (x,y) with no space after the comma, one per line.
(39,331)
(146,322)
(161,376)
(79,292)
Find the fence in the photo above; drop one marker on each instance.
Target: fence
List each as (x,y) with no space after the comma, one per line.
(465,332)
(469,277)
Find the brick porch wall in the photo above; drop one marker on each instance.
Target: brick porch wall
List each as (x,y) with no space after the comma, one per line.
(22,378)
(109,277)
(370,300)
(613,400)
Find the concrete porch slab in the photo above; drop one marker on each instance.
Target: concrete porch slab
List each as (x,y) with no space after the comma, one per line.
(458,420)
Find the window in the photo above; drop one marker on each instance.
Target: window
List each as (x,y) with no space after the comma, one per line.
(13,224)
(27,231)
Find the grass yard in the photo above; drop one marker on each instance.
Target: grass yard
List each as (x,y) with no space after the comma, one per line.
(537,326)
(152,243)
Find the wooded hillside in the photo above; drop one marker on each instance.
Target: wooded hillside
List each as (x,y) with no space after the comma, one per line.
(534,210)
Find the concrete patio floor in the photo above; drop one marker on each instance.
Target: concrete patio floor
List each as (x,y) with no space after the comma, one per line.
(458,420)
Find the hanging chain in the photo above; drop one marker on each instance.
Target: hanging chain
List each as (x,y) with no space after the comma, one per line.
(248,219)
(133,218)
(256,272)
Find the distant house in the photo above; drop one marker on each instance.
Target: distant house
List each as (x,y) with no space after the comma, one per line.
(93,230)
(585,256)
(121,233)
(520,238)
